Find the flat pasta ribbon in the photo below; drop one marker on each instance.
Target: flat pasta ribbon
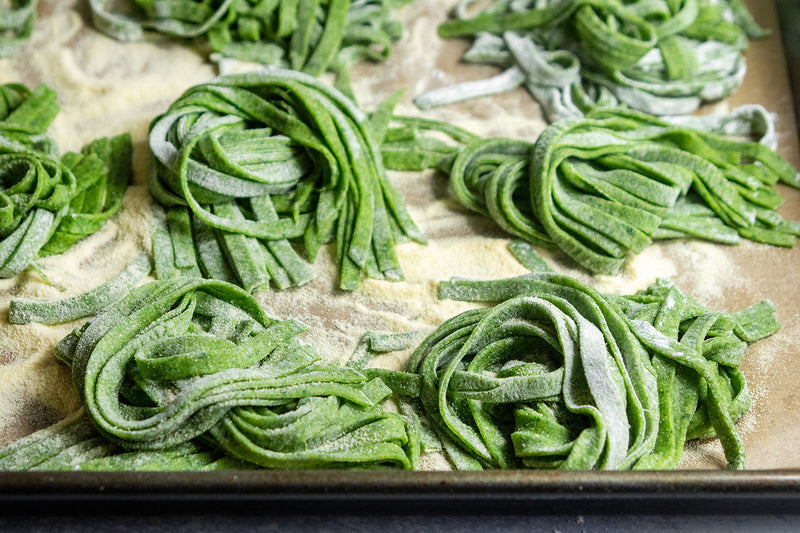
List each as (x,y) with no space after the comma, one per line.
(44,311)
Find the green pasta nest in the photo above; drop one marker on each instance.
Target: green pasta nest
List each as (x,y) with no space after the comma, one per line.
(47,202)
(605,185)
(191,374)
(246,163)
(312,36)
(557,375)
(661,57)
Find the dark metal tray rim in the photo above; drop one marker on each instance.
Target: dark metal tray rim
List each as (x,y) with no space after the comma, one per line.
(696,491)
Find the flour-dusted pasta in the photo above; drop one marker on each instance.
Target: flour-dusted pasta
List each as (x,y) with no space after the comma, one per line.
(311,36)
(664,58)
(605,185)
(178,365)
(47,202)
(269,156)
(558,375)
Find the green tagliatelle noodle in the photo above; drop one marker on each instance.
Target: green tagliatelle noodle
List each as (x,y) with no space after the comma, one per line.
(605,185)
(246,163)
(16,25)
(47,202)
(191,374)
(312,36)
(42,311)
(557,375)
(659,56)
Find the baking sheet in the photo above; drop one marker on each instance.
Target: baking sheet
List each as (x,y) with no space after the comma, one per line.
(106,87)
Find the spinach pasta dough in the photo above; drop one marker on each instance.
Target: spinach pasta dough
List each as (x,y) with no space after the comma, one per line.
(662,57)
(191,374)
(247,162)
(47,202)
(557,375)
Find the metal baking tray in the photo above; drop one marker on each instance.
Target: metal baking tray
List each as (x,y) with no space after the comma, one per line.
(763,491)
